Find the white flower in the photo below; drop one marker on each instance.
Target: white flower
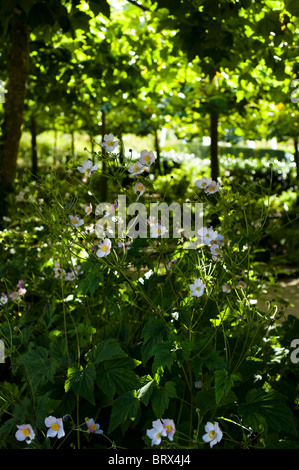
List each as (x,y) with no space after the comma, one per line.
(197,288)
(55,427)
(207,235)
(87,167)
(216,251)
(169,427)
(109,143)
(59,273)
(213,433)
(146,157)
(212,188)
(136,168)
(241,284)
(88,209)
(56,265)
(76,221)
(25,432)
(20,196)
(226,287)
(203,183)
(198,384)
(14,295)
(70,276)
(77,269)
(157,431)
(157,230)
(139,188)
(104,248)
(3,299)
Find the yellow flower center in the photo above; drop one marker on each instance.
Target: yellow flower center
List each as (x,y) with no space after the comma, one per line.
(212,434)
(147,158)
(158,435)
(203,183)
(211,188)
(136,168)
(26,432)
(74,221)
(168,428)
(55,427)
(140,188)
(104,248)
(159,231)
(93,426)
(110,143)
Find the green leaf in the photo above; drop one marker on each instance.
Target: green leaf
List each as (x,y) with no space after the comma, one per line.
(125,406)
(117,376)
(161,396)
(81,381)
(224,383)
(292,6)
(107,350)
(162,356)
(144,393)
(267,409)
(39,366)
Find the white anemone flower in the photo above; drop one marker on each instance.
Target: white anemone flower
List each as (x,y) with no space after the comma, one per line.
(55,427)
(157,230)
(87,167)
(76,221)
(212,188)
(241,284)
(207,235)
(3,299)
(139,188)
(136,169)
(213,433)
(104,248)
(216,251)
(226,287)
(25,433)
(70,276)
(109,144)
(203,183)
(169,427)
(146,157)
(157,432)
(197,288)
(88,209)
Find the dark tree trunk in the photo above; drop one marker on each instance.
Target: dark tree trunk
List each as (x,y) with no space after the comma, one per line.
(34,165)
(104,166)
(121,149)
(157,148)
(14,105)
(296,158)
(73,143)
(55,147)
(214,146)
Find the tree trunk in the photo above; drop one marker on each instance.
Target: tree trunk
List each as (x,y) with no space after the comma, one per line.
(14,105)
(296,158)
(214,146)
(73,143)
(104,166)
(55,147)
(34,166)
(157,148)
